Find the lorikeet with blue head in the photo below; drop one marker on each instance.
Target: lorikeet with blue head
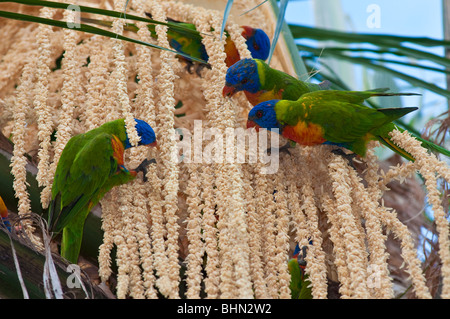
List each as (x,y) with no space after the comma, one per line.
(190,43)
(90,165)
(258,43)
(261,83)
(299,285)
(336,118)
(4,215)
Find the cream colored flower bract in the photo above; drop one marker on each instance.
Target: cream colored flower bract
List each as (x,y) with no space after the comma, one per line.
(228,227)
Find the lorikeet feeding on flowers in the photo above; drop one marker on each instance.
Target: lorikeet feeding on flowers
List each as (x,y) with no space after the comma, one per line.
(335,118)
(261,83)
(90,165)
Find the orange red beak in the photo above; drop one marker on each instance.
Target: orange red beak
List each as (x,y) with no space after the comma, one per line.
(228,91)
(251,124)
(248,31)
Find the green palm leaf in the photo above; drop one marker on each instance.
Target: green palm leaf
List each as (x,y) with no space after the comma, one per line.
(226,13)
(88,29)
(375,65)
(98,31)
(299,31)
(108,13)
(280,22)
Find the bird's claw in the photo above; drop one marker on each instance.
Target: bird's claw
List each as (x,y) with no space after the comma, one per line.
(199,67)
(143,167)
(189,66)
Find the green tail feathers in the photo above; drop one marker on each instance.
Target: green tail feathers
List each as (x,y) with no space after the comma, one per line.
(395,113)
(382,92)
(71,243)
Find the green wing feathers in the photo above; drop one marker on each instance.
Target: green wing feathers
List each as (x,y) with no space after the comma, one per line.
(396,113)
(344,119)
(90,165)
(85,167)
(291,87)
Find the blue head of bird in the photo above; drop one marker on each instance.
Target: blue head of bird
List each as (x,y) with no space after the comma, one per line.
(145,132)
(263,115)
(258,43)
(242,76)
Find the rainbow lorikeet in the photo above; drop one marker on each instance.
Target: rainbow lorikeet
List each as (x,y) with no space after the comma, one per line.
(4,214)
(299,285)
(335,118)
(258,43)
(261,83)
(90,165)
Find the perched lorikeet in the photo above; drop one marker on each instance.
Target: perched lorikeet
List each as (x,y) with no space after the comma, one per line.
(258,43)
(90,165)
(299,285)
(4,214)
(336,118)
(261,83)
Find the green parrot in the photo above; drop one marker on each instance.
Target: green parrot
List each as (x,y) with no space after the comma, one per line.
(258,43)
(299,285)
(335,118)
(90,165)
(262,83)
(190,43)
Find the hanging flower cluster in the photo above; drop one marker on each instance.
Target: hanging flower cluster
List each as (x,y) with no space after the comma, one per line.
(231,224)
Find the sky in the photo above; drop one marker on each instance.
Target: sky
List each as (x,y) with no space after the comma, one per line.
(403,17)
(397,17)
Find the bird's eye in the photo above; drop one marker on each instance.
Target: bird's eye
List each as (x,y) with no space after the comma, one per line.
(259,114)
(244,81)
(255,46)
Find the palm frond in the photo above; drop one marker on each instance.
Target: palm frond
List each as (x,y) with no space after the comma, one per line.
(226,13)
(280,21)
(300,31)
(379,52)
(376,65)
(88,29)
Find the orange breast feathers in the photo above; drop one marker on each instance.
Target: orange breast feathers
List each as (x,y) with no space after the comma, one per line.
(303,133)
(3,209)
(232,52)
(118,150)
